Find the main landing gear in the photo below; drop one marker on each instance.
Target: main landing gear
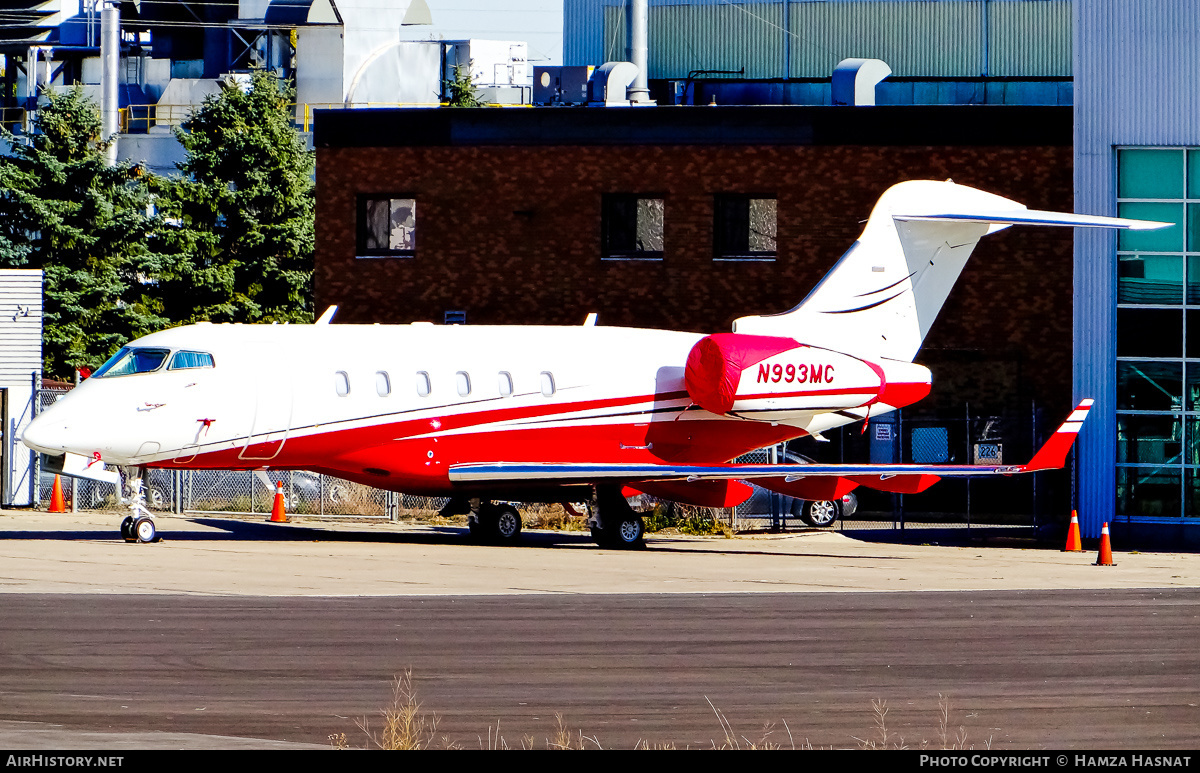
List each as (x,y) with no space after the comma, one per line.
(490,521)
(614,523)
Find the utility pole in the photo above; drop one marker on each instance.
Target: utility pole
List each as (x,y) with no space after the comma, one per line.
(110,57)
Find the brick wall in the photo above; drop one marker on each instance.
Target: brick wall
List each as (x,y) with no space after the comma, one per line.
(512,236)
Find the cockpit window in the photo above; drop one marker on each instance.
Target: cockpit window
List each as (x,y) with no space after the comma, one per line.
(185,360)
(132,360)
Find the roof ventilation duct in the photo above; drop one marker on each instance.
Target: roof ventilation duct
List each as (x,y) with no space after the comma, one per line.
(610,83)
(854,80)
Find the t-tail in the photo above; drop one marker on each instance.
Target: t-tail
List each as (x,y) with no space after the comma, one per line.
(882,296)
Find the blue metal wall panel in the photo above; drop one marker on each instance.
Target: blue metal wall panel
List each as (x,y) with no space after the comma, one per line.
(1135,66)
(955,38)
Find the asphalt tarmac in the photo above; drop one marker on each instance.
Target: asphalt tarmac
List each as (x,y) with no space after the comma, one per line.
(232,634)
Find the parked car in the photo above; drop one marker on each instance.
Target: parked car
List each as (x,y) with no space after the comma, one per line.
(820,513)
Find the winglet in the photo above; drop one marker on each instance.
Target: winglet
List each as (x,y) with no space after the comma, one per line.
(327,317)
(1053,453)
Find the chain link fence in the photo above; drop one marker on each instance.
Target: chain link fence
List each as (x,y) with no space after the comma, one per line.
(221,492)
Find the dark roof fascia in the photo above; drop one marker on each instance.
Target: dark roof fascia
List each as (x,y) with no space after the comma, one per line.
(989,125)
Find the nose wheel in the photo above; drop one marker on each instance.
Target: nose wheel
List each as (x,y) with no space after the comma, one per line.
(145,531)
(139,529)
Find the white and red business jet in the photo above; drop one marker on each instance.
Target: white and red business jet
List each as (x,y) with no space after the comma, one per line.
(530,413)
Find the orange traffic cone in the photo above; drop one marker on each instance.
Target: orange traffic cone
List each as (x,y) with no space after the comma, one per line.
(1074,544)
(278,512)
(57,503)
(1105,556)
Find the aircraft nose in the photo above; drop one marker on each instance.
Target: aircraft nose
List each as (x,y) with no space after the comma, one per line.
(46,434)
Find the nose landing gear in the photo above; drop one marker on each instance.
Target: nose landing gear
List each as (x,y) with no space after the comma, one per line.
(139,527)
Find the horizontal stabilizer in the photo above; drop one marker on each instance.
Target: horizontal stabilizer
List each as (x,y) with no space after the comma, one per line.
(1037,217)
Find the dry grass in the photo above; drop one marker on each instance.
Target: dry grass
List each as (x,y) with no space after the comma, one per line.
(735,741)
(407,726)
(884,739)
(551,517)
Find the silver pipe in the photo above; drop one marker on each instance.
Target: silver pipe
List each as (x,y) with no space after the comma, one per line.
(637,44)
(110,56)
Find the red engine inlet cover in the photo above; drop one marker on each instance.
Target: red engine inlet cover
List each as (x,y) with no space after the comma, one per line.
(716,362)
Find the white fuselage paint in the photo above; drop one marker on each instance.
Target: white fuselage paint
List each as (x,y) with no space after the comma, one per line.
(273,399)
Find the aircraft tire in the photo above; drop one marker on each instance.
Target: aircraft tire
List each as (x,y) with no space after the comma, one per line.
(145,531)
(626,533)
(821,514)
(504,522)
(127,529)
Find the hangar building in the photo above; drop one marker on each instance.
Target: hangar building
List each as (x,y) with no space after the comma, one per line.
(643,215)
(20,379)
(1137,297)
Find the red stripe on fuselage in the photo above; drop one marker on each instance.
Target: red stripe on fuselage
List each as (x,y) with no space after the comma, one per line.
(419,464)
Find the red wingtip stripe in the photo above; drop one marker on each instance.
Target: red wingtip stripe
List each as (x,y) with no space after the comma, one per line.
(1053,454)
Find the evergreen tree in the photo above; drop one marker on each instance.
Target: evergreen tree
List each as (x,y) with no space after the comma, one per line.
(244,209)
(461,90)
(88,226)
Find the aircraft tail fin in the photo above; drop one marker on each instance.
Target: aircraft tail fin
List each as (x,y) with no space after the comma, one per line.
(882,296)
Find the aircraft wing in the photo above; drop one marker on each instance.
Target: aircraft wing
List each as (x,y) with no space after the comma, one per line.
(898,477)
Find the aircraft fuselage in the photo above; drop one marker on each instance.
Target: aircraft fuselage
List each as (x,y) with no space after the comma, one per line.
(394,406)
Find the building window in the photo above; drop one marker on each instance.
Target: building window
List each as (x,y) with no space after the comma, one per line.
(744,227)
(633,227)
(387,227)
(1158,335)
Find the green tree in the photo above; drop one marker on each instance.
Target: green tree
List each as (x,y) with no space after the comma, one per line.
(461,90)
(91,229)
(244,211)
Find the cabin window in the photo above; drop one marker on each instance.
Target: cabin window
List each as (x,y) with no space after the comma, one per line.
(506,383)
(387,227)
(463,382)
(744,227)
(189,360)
(423,387)
(130,360)
(383,384)
(341,382)
(632,227)
(547,383)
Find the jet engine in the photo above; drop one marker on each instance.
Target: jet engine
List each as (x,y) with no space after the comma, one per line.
(772,378)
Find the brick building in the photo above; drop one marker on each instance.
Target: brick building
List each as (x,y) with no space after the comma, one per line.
(540,216)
